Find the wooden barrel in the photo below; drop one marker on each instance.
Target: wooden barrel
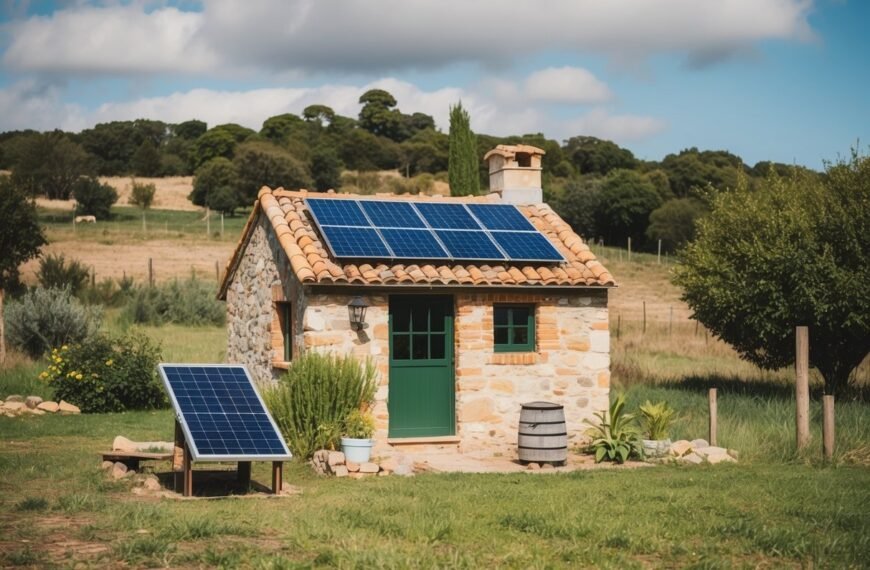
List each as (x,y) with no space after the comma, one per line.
(543,436)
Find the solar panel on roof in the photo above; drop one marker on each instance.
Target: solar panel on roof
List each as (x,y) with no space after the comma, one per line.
(331,212)
(464,244)
(392,214)
(447,216)
(355,242)
(413,244)
(501,217)
(221,413)
(383,229)
(526,246)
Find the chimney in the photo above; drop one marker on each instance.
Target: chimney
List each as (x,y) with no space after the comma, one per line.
(515,173)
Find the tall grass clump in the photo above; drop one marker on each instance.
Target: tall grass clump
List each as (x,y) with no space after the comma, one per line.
(47,318)
(312,401)
(190,302)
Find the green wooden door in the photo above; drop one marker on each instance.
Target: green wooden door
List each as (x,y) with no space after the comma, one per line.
(421,401)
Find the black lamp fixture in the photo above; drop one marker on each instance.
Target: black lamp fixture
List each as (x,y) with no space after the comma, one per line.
(357,312)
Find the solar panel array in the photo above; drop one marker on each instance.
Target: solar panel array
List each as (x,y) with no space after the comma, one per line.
(221,413)
(382,229)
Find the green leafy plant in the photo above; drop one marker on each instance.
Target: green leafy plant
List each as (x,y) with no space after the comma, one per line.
(359,425)
(189,302)
(313,401)
(107,374)
(55,272)
(46,318)
(616,436)
(657,419)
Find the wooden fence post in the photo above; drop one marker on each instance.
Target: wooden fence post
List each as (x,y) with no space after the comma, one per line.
(217,272)
(828,426)
(671,321)
(629,249)
(659,255)
(207,221)
(714,421)
(618,325)
(222,225)
(644,316)
(802,386)
(150,272)
(696,327)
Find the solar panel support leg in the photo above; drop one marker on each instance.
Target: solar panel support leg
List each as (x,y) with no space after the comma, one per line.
(277,477)
(243,475)
(188,472)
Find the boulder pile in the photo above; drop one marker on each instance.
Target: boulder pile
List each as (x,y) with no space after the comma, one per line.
(16,405)
(700,451)
(326,462)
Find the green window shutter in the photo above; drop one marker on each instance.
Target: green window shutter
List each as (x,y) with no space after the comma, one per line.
(514,328)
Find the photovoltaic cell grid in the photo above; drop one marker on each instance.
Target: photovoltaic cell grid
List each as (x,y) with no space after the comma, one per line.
(405,230)
(221,413)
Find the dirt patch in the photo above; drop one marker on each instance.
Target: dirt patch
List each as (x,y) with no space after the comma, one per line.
(170,258)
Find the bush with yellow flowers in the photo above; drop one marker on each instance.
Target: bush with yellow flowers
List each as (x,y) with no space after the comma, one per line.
(107,374)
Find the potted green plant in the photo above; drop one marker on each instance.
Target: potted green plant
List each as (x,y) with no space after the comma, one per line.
(356,440)
(657,420)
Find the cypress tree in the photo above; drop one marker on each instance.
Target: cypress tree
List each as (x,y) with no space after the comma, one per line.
(462,165)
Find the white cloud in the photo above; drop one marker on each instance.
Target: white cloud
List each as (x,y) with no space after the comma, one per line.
(620,128)
(381,35)
(566,85)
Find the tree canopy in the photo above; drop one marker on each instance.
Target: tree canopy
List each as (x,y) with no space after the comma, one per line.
(21,236)
(793,251)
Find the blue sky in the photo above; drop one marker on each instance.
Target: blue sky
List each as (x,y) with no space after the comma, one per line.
(786,80)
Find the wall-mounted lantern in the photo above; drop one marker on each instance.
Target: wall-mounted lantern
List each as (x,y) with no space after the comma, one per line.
(357,312)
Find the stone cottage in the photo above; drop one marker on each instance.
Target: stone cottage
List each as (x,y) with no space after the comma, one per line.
(459,345)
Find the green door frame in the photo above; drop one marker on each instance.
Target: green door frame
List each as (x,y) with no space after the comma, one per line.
(422,388)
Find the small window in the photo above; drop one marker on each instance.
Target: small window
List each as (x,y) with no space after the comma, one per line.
(524,159)
(285,317)
(514,328)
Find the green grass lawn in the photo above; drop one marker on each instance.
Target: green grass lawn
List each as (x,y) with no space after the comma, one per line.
(56,507)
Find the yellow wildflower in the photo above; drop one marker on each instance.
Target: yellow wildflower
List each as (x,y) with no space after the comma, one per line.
(78,376)
(64,347)
(44,375)
(109,362)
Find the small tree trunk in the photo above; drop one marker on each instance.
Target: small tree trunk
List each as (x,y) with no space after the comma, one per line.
(2,331)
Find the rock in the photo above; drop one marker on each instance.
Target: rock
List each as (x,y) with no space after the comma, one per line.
(35,412)
(119,470)
(356,475)
(680,448)
(106,465)
(32,401)
(734,453)
(715,458)
(340,471)
(121,443)
(534,466)
(705,451)
(50,407)
(546,466)
(15,398)
(335,458)
(352,466)
(14,406)
(151,483)
(404,470)
(699,443)
(369,467)
(66,408)
(692,458)
(389,464)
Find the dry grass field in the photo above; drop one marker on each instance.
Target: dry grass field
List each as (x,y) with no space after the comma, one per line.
(172,192)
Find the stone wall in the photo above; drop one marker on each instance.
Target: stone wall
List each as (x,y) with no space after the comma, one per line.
(262,278)
(571,365)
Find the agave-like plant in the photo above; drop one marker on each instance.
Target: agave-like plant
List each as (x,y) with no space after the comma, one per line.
(616,436)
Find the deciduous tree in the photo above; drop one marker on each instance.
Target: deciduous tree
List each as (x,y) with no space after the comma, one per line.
(795,251)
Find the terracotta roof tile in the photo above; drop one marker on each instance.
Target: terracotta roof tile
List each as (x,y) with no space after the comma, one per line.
(310,259)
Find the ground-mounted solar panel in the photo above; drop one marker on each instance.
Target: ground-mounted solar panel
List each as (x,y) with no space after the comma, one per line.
(447,216)
(413,244)
(501,217)
(470,245)
(222,414)
(526,246)
(355,242)
(391,214)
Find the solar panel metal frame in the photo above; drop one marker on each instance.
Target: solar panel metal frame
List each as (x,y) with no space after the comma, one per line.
(191,444)
(434,231)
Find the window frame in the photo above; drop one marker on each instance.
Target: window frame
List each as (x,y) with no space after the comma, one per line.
(511,346)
